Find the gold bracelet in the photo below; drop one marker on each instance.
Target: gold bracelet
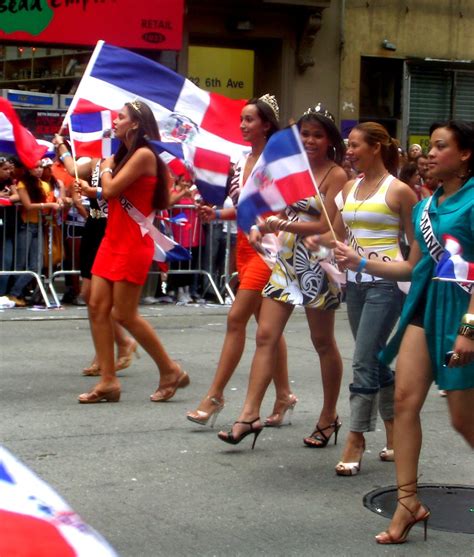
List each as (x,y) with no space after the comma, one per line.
(468,319)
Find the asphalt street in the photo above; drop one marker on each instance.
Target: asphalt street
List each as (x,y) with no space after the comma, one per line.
(154,484)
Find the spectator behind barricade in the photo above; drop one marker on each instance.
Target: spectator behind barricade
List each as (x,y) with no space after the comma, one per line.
(228,266)
(190,235)
(57,188)
(73,228)
(7,221)
(37,199)
(422,164)
(410,176)
(414,151)
(349,169)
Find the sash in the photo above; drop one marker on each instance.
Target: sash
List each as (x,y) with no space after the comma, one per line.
(163,245)
(435,249)
(95,180)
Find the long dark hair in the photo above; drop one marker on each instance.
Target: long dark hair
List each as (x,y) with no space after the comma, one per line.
(147,128)
(375,133)
(337,149)
(463,133)
(33,187)
(266,114)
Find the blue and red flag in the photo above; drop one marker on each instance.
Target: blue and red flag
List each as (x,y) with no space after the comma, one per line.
(452,266)
(281,176)
(17,140)
(184,112)
(208,169)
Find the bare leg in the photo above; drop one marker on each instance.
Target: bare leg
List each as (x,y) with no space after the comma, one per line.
(461,408)
(125,312)
(100,307)
(413,380)
(246,304)
(273,318)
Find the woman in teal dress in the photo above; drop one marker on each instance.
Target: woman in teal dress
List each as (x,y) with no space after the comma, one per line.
(435,340)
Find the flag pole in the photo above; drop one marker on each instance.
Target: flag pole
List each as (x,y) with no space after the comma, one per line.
(73,151)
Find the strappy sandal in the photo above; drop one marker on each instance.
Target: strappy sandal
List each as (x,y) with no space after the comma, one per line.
(167,391)
(318,439)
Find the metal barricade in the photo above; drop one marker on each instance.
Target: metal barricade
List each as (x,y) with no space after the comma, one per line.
(21,253)
(48,250)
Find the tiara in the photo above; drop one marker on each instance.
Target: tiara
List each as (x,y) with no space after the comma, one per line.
(270,100)
(136,104)
(319,109)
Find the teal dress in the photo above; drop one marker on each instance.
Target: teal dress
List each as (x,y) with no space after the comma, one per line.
(446,302)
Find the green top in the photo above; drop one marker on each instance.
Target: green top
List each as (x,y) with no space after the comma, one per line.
(446,302)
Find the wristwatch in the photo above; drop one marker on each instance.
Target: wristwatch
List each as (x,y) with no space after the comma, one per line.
(466,331)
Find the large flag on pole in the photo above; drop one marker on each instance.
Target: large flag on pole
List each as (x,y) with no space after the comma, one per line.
(17,140)
(184,112)
(35,520)
(281,176)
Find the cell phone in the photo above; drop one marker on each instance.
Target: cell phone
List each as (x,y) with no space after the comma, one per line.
(447,357)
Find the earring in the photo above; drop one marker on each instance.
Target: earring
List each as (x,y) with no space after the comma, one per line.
(332,152)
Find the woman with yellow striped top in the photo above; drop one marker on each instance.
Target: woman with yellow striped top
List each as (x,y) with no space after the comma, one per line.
(376,207)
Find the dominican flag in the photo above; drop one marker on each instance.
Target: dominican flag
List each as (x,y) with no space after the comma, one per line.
(184,112)
(92,133)
(208,169)
(17,140)
(281,176)
(452,266)
(35,520)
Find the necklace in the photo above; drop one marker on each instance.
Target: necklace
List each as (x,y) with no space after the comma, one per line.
(370,194)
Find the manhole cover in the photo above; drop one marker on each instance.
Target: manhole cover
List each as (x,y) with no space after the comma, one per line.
(451,506)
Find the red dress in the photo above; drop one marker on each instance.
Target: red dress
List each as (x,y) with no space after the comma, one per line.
(125,254)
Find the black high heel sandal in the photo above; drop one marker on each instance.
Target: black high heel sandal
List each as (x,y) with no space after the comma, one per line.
(228,436)
(320,437)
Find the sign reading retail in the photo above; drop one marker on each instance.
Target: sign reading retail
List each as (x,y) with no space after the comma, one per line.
(227,71)
(153,24)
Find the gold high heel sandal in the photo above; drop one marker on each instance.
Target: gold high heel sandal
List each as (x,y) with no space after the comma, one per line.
(280,409)
(201,417)
(167,391)
(125,361)
(385,538)
(97,395)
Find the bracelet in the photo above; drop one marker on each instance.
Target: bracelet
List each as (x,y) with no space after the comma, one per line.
(98,194)
(362,265)
(218,214)
(108,169)
(466,331)
(64,155)
(468,319)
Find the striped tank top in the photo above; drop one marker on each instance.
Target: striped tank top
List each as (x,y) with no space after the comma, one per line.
(372,227)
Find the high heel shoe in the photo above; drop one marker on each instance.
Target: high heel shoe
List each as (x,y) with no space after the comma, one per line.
(167,391)
(279,410)
(229,437)
(125,361)
(386,538)
(97,395)
(350,468)
(200,417)
(318,439)
(92,371)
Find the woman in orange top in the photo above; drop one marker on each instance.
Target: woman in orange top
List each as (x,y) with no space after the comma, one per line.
(259,120)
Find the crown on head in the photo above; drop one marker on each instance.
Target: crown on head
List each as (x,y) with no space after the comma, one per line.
(319,109)
(271,101)
(136,104)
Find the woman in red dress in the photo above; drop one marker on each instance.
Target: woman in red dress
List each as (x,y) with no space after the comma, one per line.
(135,183)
